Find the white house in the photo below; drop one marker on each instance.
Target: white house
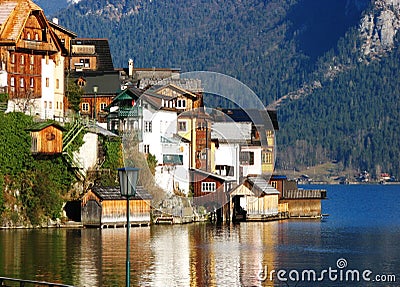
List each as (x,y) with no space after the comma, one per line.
(161,140)
(235,156)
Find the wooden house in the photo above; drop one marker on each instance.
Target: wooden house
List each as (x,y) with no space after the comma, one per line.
(254,199)
(99,89)
(300,202)
(104,207)
(88,54)
(32,56)
(124,113)
(47,138)
(211,191)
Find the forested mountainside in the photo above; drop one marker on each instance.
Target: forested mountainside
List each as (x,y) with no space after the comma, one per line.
(332,90)
(50,7)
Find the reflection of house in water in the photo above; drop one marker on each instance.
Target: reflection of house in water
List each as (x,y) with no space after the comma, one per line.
(226,259)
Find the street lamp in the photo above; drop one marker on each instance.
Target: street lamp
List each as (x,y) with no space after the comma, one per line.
(95,90)
(128,177)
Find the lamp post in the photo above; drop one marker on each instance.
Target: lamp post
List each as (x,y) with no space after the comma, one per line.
(128,177)
(95,90)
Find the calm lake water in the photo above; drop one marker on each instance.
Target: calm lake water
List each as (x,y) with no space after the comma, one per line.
(361,237)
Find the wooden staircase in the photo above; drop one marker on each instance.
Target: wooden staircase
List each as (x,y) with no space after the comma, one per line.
(68,139)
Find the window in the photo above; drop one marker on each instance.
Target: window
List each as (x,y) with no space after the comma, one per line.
(22,60)
(175,159)
(102,106)
(47,82)
(225,170)
(36,37)
(208,187)
(181,103)
(182,126)
(85,107)
(267,157)
(146,148)
(12,81)
(148,127)
(57,83)
(32,59)
(21,82)
(12,58)
(28,36)
(31,82)
(50,105)
(45,104)
(247,158)
(274,184)
(85,62)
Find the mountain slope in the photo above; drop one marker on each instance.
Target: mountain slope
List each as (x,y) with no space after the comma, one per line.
(254,41)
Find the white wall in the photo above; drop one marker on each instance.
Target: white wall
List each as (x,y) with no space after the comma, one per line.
(255,169)
(163,124)
(87,154)
(47,103)
(168,177)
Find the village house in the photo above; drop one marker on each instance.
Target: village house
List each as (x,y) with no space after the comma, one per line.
(254,199)
(47,138)
(105,207)
(99,90)
(32,60)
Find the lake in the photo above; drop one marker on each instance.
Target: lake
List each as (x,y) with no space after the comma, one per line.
(356,245)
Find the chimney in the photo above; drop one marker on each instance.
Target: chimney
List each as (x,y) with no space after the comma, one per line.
(55,21)
(130,65)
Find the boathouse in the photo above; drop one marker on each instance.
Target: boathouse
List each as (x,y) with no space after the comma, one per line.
(105,207)
(254,199)
(47,138)
(300,202)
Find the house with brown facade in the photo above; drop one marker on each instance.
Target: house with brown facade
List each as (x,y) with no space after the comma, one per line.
(32,60)
(47,138)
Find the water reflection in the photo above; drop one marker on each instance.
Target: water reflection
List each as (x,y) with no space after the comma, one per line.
(209,255)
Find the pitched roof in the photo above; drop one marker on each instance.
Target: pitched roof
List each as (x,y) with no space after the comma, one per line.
(127,94)
(258,117)
(102,50)
(173,87)
(255,186)
(108,83)
(42,125)
(13,16)
(113,193)
(231,131)
(261,185)
(217,177)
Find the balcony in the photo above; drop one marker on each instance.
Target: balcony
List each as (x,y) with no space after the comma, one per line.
(130,112)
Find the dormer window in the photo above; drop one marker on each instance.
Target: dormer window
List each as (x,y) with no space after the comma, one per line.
(81,82)
(28,36)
